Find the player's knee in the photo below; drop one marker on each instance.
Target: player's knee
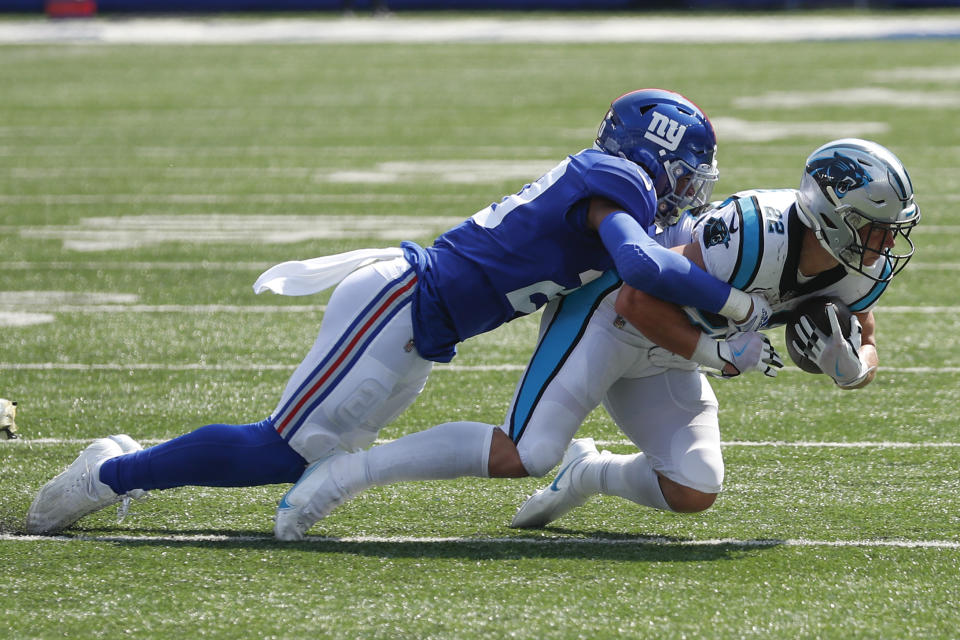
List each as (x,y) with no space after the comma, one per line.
(504,460)
(701,475)
(540,460)
(702,467)
(684,499)
(349,419)
(689,500)
(363,400)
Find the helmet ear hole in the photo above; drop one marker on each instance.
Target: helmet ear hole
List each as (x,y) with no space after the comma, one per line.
(827,222)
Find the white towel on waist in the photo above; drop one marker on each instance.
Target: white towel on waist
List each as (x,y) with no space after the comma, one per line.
(304,277)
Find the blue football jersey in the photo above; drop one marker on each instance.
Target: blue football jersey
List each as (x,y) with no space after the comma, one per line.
(512,257)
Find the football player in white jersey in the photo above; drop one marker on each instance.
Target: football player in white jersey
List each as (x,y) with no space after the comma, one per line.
(397,311)
(844,233)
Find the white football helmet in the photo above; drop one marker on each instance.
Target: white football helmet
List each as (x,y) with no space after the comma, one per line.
(852,184)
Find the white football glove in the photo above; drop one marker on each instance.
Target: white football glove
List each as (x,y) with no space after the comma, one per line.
(838,357)
(745,351)
(748,352)
(759,317)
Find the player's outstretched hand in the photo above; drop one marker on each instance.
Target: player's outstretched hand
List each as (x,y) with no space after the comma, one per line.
(750,351)
(836,356)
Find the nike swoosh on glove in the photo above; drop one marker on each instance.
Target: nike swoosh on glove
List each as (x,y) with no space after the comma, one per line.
(750,351)
(838,357)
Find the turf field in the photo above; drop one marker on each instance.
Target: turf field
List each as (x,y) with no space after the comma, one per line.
(144,188)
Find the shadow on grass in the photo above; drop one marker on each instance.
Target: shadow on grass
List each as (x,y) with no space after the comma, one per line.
(547,543)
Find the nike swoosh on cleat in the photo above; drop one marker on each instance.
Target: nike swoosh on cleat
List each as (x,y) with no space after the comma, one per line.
(284,503)
(553,485)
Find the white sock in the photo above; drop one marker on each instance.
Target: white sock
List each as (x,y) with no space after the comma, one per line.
(626,476)
(449,450)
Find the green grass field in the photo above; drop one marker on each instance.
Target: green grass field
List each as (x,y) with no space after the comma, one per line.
(144,188)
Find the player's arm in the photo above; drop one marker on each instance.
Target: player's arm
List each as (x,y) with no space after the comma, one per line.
(662,322)
(868,347)
(645,265)
(666,325)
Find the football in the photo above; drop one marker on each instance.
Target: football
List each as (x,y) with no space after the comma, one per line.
(816,310)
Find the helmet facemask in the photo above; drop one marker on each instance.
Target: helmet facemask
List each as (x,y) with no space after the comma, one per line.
(688,187)
(869,242)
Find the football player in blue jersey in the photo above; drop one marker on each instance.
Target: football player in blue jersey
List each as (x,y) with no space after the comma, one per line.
(397,311)
(835,236)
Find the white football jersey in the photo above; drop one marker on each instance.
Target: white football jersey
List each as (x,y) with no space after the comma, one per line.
(753,240)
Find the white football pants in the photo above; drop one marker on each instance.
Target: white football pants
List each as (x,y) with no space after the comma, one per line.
(584,359)
(363,369)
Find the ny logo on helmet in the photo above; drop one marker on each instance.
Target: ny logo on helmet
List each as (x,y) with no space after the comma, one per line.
(839,172)
(665,132)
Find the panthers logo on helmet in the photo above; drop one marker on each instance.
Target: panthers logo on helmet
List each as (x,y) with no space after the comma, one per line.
(715,232)
(840,173)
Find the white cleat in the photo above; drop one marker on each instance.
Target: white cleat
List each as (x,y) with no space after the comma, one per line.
(548,504)
(77,491)
(310,500)
(127,444)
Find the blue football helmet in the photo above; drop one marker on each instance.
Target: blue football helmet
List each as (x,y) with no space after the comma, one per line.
(853,193)
(672,139)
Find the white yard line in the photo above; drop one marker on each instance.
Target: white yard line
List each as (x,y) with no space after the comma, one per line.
(24,265)
(144,366)
(165,308)
(918,309)
(174,538)
(491,30)
(222,198)
(823,445)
